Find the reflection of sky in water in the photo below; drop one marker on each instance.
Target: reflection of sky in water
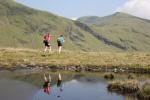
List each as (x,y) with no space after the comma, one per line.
(16,90)
(76,86)
(75,90)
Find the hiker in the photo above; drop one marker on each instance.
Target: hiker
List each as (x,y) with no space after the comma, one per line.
(60,41)
(47,85)
(59,85)
(47,39)
(59,81)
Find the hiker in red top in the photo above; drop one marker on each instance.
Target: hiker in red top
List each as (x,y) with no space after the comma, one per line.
(47,40)
(47,85)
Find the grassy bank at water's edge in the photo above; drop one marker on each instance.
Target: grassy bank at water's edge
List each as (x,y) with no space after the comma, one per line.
(17,57)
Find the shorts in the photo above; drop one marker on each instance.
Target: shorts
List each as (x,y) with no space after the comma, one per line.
(47,44)
(45,85)
(59,43)
(59,83)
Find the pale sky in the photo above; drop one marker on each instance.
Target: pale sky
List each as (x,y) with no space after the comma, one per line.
(77,8)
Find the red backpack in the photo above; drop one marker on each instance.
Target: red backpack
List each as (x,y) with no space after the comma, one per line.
(48,37)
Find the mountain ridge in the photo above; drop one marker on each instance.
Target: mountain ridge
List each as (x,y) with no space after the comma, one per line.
(129,31)
(96,19)
(24,27)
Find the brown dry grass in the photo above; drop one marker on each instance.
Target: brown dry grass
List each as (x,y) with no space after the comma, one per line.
(11,57)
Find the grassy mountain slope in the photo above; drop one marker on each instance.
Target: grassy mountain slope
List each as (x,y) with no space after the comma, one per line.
(129,32)
(24,27)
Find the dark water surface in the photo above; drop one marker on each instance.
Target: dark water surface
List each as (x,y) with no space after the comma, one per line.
(75,86)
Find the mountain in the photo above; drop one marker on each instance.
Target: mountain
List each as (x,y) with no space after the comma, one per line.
(24,27)
(121,30)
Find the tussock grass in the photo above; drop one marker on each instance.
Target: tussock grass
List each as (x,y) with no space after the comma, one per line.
(131,76)
(125,87)
(109,76)
(131,86)
(10,57)
(144,92)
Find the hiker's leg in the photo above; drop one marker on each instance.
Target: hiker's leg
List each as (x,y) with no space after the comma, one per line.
(45,79)
(59,76)
(45,49)
(59,49)
(49,78)
(50,49)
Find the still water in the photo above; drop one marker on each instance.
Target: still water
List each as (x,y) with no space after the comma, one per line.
(75,86)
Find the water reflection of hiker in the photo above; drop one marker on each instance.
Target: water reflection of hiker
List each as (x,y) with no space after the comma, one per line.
(46,41)
(47,85)
(60,41)
(59,85)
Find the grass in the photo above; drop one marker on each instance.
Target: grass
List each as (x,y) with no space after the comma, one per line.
(131,86)
(125,87)
(144,92)
(10,57)
(131,76)
(109,76)
(24,27)
(126,30)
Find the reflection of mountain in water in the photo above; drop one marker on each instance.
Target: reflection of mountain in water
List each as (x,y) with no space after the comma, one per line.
(76,86)
(38,80)
(89,79)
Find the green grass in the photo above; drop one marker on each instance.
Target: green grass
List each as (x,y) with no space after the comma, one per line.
(131,32)
(10,57)
(24,27)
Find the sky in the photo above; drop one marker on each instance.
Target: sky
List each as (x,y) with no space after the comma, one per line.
(74,9)
(140,8)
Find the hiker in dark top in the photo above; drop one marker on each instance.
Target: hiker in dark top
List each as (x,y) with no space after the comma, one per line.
(59,81)
(59,85)
(47,85)
(46,41)
(60,42)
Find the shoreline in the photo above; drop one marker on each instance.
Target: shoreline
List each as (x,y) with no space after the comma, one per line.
(36,68)
(28,59)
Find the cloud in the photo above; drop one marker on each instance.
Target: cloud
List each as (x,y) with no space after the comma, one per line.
(74,18)
(140,8)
